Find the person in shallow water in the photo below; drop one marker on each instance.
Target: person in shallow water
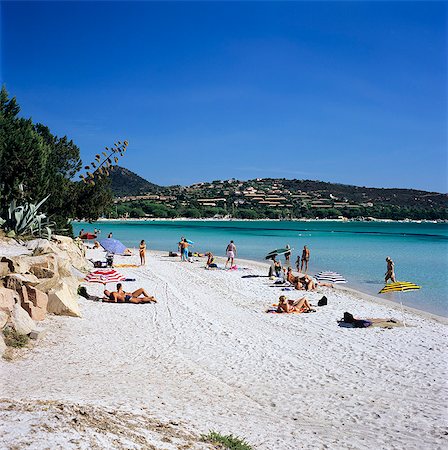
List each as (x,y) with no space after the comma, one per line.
(305,258)
(120,296)
(390,272)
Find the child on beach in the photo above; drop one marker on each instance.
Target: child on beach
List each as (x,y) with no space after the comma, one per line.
(210,264)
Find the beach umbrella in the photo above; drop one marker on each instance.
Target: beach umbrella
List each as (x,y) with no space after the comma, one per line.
(113,246)
(331,277)
(104,276)
(278,251)
(399,286)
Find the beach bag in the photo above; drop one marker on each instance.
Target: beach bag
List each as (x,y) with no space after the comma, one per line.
(82,291)
(323,301)
(348,318)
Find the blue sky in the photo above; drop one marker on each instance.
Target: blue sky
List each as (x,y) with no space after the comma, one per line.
(349,92)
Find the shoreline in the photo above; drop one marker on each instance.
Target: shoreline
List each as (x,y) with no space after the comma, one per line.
(343,288)
(211,219)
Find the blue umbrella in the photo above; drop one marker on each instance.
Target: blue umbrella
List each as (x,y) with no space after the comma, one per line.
(113,246)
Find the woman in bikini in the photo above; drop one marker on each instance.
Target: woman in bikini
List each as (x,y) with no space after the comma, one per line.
(142,251)
(300,305)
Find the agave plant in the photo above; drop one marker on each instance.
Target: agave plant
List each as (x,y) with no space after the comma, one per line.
(27,220)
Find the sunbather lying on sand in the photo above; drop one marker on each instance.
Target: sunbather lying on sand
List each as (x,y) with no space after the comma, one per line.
(289,306)
(304,282)
(120,296)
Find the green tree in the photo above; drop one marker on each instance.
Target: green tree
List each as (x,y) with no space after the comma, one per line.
(30,155)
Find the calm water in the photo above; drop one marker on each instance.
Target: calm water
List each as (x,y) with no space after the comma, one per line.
(355,249)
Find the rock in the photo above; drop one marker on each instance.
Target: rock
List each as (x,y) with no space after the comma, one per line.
(38,334)
(48,284)
(42,247)
(7,299)
(34,302)
(63,300)
(49,262)
(17,280)
(42,272)
(21,321)
(17,264)
(4,269)
(65,268)
(75,253)
(2,345)
(3,319)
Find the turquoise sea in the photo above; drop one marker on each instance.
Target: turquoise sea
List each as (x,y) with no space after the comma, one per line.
(357,250)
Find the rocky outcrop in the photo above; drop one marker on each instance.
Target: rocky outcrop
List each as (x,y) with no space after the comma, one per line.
(65,248)
(45,281)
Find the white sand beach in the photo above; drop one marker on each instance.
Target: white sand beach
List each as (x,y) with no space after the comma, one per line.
(208,357)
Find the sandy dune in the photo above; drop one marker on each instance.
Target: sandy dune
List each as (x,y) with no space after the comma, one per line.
(207,356)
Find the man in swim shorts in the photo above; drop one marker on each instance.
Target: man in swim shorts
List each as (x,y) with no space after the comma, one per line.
(231,253)
(305,258)
(120,296)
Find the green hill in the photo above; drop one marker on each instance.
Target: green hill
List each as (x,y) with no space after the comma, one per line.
(124,183)
(274,198)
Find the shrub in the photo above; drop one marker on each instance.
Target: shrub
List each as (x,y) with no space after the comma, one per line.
(14,339)
(228,442)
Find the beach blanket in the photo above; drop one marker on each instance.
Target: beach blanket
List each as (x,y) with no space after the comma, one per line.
(378,323)
(273,310)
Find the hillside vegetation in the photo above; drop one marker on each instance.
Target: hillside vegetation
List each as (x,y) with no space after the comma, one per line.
(270,198)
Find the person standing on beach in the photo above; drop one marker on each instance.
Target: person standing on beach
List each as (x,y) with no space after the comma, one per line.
(390,273)
(183,249)
(109,235)
(142,252)
(288,255)
(231,253)
(305,258)
(298,263)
